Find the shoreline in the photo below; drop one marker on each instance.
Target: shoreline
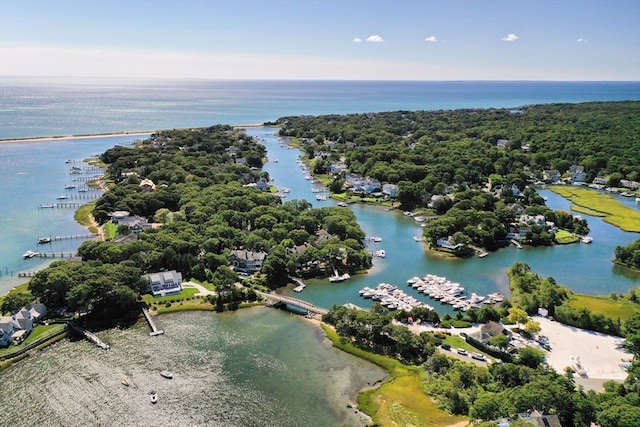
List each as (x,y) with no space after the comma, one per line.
(102,135)
(80,136)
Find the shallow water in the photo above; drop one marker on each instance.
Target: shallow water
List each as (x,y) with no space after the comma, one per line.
(254,367)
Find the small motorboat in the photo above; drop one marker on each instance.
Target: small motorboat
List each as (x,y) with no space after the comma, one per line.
(125,382)
(166,374)
(29,254)
(154,397)
(42,240)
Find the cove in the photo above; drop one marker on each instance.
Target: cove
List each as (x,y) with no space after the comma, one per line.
(583,268)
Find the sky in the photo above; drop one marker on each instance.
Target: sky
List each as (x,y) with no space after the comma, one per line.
(323,39)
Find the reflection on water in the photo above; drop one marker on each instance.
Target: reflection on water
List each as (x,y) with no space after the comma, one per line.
(255,367)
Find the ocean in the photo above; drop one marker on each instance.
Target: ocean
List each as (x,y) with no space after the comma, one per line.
(44,106)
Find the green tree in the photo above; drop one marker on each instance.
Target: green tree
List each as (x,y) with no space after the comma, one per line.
(15,301)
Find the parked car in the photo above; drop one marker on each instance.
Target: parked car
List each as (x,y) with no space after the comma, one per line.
(462,351)
(478,356)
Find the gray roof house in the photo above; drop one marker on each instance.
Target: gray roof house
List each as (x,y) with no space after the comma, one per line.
(165,283)
(247,261)
(6,330)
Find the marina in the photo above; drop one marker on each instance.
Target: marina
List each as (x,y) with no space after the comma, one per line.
(435,287)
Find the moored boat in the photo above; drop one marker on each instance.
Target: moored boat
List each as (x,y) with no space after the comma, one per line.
(125,382)
(42,240)
(154,397)
(29,254)
(166,374)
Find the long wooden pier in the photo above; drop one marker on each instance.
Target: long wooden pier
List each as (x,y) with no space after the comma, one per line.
(90,336)
(65,205)
(59,254)
(154,330)
(294,301)
(70,237)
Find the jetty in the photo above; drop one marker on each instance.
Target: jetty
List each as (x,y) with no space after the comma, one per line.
(516,243)
(90,336)
(154,330)
(27,273)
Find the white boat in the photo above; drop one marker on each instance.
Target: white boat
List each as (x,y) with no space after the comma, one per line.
(321,197)
(154,397)
(286,190)
(69,186)
(42,240)
(381,253)
(166,374)
(587,239)
(62,197)
(125,382)
(340,278)
(417,238)
(29,254)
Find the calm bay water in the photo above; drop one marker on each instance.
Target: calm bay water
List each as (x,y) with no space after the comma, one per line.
(255,367)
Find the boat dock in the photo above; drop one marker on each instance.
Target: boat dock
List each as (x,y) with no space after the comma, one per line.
(516,243)
(65,205)
(154,330)
(69,237)
(55,254)
(299,282)
(27,273)
(90,336)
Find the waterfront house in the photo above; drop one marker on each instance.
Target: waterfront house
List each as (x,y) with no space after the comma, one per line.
(516,208)
(390,190)
(135,223)
(577,173)
(6,330)
(599,180)
(551,175)
(247,261)
(119,215)
(37,310)
(165,283)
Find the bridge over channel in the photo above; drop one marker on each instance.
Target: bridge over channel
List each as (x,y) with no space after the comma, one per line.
(294,301)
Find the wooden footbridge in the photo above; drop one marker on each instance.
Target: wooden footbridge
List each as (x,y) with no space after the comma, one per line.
(293,301)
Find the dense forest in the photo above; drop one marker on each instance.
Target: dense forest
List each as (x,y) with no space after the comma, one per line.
(206,203)
(431,147)
(471,166)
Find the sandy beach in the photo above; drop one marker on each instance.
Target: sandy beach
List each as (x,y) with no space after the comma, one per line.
(54,138)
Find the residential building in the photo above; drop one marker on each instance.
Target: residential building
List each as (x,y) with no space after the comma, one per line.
(147,186)
(165,283)
(390,190)
(247,261)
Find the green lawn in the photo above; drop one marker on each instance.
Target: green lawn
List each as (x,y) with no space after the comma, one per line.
(564,237)
(621,309)
(589,201)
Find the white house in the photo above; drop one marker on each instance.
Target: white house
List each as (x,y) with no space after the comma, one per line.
(165,283)
(6,330)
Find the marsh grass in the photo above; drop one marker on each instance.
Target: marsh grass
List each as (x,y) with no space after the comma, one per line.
(612,211)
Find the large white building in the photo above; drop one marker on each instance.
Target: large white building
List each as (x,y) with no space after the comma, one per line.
(165,283)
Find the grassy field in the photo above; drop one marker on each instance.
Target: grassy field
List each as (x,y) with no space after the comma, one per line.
(564,237)
(620,308)
(400,400)
(591,202)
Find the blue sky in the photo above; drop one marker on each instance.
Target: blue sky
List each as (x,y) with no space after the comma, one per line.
(323,39)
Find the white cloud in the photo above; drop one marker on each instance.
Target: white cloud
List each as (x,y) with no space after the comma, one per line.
(375,39)
(431,39)
(581,40)
(510,37)
(357,40)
